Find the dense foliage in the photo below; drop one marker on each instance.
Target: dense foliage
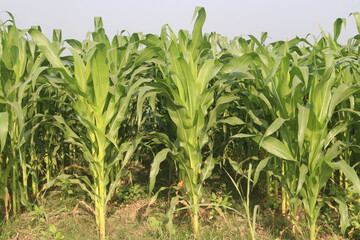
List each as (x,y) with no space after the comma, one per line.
(284,114)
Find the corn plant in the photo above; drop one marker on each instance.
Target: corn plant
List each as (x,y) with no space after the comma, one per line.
(194,98)
(101,86)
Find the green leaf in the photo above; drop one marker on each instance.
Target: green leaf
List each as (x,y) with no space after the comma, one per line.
(262,164)
(274,126)
(52,229)
(275,147)
(208,167)
(302,176)
(341,127)
(100,75)
(337,27)
(155,166)
(349,172)
(341,93)
(4,126)
(303,118)
(80,71)
(145,55)
(75,44)
(243,135)
(48,50)
(237,167)
(207,71)
(344,215)
(197,30)
(322,94)
(357,20)
(233,121)
(19,113)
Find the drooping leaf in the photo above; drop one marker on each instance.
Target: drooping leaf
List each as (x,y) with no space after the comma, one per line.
(155,166)
(348,171)
(262,164)
(48,50)
(344,215)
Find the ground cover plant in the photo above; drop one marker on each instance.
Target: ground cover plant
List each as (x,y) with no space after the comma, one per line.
(174,130)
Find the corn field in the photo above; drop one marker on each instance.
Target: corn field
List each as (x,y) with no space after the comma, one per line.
(284,116)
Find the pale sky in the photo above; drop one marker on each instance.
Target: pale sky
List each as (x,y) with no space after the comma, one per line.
(282,19)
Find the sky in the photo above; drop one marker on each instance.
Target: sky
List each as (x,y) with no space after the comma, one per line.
(282,19)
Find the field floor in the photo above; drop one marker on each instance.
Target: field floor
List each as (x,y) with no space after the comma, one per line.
(69,217)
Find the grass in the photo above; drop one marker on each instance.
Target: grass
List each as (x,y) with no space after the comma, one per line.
(62,217)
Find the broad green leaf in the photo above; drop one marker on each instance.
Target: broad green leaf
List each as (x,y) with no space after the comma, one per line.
(207,71)
(357,20)
(197,30)
(275,147)
(145,55)
(274,126)
(19,113)
(4,126)
(348,171)
(262,164)
(207,169)
(75,44)
(233,121)
(264,36)
(48,50)
(10,56)
(341,93)
(303,118)
(155,166)
(80,71)
(236,166)
(344,215)
(341,127)
(302,177)
(69,133)
(333,151)
(337,27)
(100,75)
(322,94)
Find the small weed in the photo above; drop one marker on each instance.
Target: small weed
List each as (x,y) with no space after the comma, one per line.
(52,233)
(129,193)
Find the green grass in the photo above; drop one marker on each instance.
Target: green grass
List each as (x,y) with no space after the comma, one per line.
(122,223)
(61,218)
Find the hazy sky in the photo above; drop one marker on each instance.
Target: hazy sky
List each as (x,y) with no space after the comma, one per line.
(282,19)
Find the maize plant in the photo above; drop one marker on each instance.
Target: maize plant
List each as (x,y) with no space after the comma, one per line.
(193,103)
(101,84)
